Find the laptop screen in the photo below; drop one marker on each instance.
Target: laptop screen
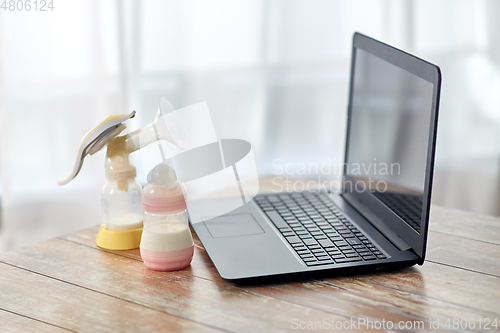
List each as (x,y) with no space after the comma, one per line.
(388,135)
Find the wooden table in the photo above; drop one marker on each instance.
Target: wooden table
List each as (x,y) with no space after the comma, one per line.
(67,283)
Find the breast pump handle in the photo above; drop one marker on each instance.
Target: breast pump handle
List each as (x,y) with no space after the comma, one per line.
(165,127)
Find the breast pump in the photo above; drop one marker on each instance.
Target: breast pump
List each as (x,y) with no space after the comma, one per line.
(121,202)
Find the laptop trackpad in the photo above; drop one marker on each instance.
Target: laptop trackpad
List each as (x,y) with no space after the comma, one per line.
(232,225)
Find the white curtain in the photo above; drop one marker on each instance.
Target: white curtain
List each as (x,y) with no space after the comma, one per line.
(274,72)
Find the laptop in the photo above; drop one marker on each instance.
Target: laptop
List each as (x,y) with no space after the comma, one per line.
(379,219)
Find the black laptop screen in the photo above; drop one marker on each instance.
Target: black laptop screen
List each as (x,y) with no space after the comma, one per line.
(389,135)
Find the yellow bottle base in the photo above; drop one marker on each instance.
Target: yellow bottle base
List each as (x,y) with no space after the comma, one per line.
(118,240)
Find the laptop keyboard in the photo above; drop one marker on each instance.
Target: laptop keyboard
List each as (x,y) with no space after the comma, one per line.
(407,206)
(316,229)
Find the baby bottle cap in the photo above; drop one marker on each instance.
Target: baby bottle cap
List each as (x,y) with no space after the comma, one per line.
(162,175)
(163,193)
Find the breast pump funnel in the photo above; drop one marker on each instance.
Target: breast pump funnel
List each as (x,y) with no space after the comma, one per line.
(166,126)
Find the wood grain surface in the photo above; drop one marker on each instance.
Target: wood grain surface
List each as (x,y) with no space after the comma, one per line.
(68,284)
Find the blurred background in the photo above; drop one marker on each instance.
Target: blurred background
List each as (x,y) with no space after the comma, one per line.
(273,72)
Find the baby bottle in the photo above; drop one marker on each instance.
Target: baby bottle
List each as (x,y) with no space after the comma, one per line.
(121,196)
(166,242)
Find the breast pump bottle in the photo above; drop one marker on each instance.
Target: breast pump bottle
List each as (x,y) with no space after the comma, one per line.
(166,242)
(121,198)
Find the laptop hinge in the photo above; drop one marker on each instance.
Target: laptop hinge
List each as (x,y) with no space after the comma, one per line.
(378,223)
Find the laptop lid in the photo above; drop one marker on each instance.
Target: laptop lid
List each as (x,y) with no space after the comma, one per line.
(391,134)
